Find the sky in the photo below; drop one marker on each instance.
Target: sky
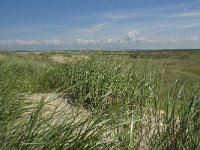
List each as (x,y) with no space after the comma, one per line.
(99,24)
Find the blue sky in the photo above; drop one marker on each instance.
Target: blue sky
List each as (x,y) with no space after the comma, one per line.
(99,24)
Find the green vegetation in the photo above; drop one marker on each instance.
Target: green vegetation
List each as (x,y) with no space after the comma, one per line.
(120,100)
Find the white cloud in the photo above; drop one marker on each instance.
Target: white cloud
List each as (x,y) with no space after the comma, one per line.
(195,39)
(185,14)
(134,36)
(19,42)
(53,42)
(190,26)
(110,40)
(84,41)
(125,14)
(190,14)
(31,42)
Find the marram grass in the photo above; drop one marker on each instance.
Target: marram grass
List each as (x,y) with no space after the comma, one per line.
(118,103)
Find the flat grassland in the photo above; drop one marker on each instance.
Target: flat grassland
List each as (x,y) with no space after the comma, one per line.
(100,100)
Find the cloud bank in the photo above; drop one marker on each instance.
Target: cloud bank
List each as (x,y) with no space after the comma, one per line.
(31,42)
(130,40)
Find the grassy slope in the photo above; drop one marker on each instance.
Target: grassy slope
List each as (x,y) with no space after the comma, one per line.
(151,99)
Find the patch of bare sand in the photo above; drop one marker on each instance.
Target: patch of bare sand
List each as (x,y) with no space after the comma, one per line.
(151,124)
(64,59)
(55,104)
(62,111)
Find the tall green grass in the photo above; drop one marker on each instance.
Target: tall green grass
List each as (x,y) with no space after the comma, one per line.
(127,102)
